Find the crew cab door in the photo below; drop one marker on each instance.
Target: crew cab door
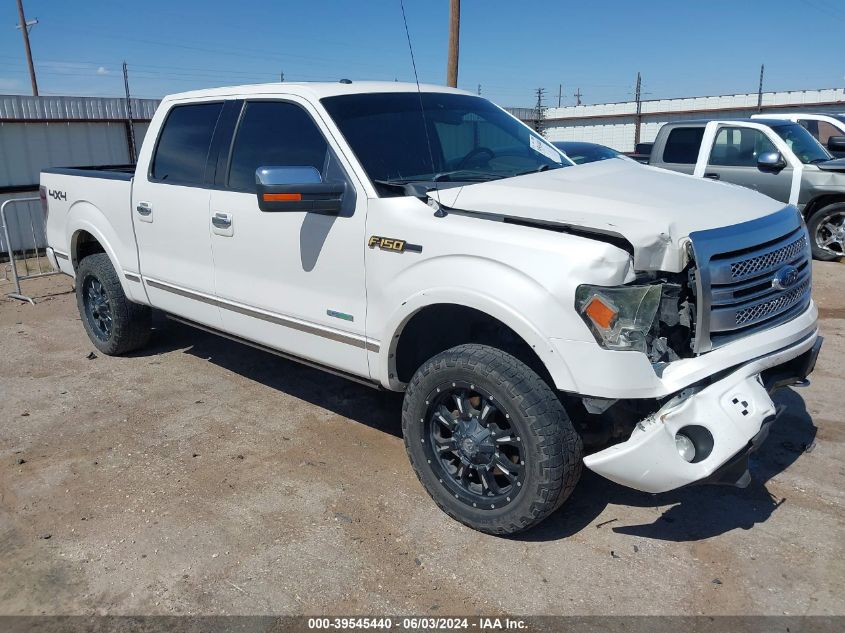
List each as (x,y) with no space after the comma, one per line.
(290,279)
(170,206)
(729,153)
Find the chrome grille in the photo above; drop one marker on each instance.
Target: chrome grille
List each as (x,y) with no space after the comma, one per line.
(752,265)
(773,306)
(737,265)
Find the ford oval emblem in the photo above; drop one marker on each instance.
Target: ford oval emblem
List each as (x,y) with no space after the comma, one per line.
(785,278)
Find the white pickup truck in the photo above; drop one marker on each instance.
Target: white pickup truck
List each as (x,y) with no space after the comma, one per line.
(429,242)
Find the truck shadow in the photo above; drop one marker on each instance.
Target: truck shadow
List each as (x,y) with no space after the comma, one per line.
(381,410)
(688,514)
(696,512)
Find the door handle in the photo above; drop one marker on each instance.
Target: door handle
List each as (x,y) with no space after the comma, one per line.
(712,176)
(144,208)
(221,220)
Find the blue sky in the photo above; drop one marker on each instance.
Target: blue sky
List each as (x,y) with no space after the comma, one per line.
(682,47)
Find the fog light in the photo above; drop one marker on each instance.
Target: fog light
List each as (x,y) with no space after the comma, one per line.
(686,449)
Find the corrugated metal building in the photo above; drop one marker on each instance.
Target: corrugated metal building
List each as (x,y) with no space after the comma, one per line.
(38,132)
(614,124)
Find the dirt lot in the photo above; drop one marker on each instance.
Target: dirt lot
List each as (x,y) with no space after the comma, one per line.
(201,476)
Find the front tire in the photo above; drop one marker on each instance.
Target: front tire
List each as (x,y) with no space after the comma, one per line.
(114,324)
(489,440)
(827,232)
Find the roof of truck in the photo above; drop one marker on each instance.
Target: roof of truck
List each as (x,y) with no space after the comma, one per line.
(781,115)
(313,90)
(759,120)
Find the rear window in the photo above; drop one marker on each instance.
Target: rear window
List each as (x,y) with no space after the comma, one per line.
(183,145)
(682,145)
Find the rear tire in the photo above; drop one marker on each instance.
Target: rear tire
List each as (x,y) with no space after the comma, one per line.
(489,440)
(825,226)
(114,324)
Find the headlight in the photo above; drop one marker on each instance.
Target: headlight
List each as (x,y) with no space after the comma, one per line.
(619,317)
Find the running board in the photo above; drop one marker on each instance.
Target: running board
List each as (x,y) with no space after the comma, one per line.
(296,359)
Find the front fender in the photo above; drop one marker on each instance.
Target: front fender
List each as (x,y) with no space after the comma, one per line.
(524,296)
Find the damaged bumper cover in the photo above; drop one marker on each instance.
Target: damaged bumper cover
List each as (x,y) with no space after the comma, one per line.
(736,412)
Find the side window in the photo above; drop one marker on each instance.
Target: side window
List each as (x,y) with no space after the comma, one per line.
(682,145)
(739,147)
(182,149)
(276,134)
(826,130)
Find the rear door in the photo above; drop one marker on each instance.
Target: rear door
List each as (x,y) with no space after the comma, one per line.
(170,206)
(680,150)
(733,158)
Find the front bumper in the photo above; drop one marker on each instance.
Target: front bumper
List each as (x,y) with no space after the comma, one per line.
(736,411)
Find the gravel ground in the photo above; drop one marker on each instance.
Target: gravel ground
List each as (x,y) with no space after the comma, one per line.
(204,477)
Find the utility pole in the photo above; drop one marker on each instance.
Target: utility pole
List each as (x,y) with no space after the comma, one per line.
(24,27)
(454,43)
(133,156)
(479,90)
(639,119)
(559,94)
(578,96)
(760,89)
(539,111)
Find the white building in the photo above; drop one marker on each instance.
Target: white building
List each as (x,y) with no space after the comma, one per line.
(614,124)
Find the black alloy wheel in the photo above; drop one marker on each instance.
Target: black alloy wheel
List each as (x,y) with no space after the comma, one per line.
(97,308)
(474,444)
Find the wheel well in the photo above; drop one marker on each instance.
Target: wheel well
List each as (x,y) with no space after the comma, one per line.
(83,245)
(439,327)
(821,202)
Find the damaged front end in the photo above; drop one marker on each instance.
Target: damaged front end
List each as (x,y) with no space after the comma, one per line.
(705,433)
(654,315)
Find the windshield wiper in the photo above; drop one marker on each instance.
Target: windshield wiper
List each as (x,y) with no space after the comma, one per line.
(536,170)
(405,187)
(465,175)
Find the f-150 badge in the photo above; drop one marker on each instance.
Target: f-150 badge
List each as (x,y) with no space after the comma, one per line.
(392,244)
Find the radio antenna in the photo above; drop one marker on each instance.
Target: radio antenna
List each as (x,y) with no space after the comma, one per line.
(422,106)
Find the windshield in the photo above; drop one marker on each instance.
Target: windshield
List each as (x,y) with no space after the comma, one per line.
(471,139)
(801,142)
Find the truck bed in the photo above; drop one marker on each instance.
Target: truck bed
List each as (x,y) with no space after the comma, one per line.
(99,206)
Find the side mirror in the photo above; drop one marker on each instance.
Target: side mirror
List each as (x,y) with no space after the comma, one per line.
(836,143)
(771,162)
(297,189)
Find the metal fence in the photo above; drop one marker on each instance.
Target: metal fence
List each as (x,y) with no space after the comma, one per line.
(26,259)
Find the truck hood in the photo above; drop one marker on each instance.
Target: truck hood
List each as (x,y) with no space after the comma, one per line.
(653,209)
